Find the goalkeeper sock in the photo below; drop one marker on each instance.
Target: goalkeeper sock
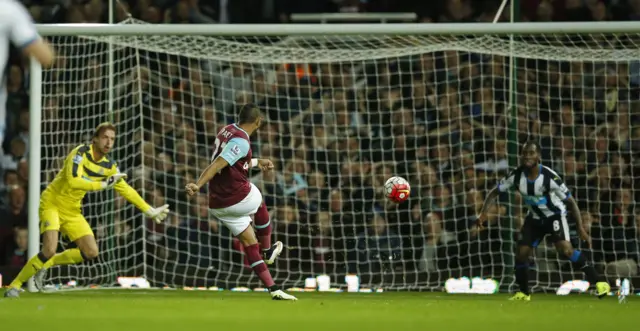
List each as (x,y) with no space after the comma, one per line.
(70,256)
(258,265)
(33,265)
(263,226)
(522,277)
(580,261)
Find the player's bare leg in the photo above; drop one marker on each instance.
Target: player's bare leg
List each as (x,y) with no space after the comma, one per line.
(252,251)
(88,247)
(522,273)
(87,250)
(263,228)
(579,261)
(35,264)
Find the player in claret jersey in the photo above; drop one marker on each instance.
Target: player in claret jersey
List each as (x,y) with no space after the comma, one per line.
(235,201)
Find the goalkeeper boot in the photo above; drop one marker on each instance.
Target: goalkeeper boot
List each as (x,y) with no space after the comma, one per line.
(269,256)
(521,297)
(39,278)
(602,289)
(12,292)
(281,295)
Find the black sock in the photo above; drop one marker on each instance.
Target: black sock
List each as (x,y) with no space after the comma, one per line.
(522,277)
(274,288)
(42,258)
(580,262)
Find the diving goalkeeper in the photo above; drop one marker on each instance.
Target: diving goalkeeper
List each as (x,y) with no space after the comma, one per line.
(85,169)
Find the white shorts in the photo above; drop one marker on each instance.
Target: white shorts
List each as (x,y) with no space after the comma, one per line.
(238,217)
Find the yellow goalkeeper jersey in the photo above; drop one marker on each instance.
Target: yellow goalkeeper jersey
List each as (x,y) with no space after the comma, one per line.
(81,174)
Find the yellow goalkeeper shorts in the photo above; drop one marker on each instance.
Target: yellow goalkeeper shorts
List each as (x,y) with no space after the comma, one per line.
(69,221)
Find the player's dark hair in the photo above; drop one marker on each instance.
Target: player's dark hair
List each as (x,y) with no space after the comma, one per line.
(534,143)
(249,113)
(100,129)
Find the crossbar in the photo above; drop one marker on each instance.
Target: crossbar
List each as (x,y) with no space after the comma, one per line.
(353,17)
(338,29)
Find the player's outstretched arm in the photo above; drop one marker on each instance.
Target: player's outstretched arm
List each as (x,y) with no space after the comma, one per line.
(558,188)
(157,214)
(575,211)
(491,197)
(504,185)
(41,51)
(214,168)
(24,35)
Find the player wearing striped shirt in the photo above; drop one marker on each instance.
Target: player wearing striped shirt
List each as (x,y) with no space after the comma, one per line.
(547,198)
(17,28)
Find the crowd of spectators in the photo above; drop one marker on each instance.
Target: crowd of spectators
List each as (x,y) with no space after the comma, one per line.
(336,132)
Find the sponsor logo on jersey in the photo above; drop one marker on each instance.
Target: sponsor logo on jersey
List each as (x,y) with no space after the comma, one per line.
(235,150)
(77,159)
(535,200)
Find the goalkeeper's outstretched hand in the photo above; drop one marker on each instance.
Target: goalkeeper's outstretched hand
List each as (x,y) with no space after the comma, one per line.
(112,180)
(158,214)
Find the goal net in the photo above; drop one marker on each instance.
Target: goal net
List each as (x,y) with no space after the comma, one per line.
(344,114)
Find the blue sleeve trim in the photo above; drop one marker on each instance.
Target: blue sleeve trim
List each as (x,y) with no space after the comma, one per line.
(28,42)
(235,150)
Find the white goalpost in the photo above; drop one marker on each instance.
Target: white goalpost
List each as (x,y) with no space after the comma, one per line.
(348,106)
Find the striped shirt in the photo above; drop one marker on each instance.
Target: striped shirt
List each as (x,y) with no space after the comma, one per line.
(544,196)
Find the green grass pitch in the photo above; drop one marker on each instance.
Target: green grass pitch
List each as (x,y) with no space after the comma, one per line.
(143,310)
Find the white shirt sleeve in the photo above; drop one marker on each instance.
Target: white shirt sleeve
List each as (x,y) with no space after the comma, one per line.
(23,31)
(558,188)
(507,183)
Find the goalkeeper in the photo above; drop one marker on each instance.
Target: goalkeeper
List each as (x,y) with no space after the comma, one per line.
(86,168)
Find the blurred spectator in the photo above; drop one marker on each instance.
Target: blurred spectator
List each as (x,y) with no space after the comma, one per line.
(17,253)
(15,212)
(618,237)
(17,152)
(12,216)
(377,249)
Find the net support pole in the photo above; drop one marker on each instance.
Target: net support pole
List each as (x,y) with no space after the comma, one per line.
(142,165)
(35,119)
(110,103)
(512,143)
(110,64)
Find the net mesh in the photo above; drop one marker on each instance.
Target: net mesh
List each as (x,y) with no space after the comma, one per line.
(345,114)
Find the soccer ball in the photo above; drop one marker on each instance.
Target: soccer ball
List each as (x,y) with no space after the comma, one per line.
(397,189)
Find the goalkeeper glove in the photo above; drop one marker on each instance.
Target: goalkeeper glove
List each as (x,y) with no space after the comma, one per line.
(158,214)
(112,180)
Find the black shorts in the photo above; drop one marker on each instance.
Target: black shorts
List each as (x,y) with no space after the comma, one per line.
(534,230)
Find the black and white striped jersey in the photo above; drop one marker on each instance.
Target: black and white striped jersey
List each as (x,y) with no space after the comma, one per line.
(544,196)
